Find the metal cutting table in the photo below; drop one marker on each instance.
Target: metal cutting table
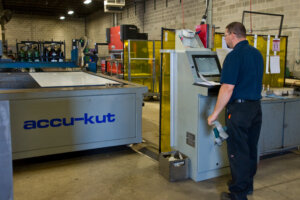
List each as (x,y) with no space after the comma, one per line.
(60,112)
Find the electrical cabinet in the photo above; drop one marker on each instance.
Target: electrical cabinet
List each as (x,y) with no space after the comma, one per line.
(291,124)
(280,125)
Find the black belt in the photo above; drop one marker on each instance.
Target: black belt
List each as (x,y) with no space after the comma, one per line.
(243,101)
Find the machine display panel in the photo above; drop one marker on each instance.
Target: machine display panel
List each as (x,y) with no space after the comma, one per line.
(207,65)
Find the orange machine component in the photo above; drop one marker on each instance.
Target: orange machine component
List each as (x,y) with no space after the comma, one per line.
(103,65)
(115,39)
(202,31)
(112,67)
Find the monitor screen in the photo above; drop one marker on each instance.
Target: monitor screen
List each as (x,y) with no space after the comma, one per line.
(207,65)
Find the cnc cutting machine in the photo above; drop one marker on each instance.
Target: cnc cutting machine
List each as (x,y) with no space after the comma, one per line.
(60,112)
(195,75)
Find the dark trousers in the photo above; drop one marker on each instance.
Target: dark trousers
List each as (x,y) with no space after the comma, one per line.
(243,127)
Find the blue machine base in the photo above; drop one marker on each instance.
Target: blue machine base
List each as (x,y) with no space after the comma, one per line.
(37,64)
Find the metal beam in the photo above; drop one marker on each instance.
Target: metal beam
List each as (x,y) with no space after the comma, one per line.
(1,5)
(270,14)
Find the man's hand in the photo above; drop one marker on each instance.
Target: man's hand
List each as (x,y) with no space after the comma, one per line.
(225,93)
(211,119)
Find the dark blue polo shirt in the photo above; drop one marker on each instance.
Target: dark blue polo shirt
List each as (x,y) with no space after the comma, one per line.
(243,67)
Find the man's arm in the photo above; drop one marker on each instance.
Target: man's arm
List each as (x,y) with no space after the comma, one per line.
(223,98)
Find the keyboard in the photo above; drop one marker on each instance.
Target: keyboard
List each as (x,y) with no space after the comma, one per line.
(207,83)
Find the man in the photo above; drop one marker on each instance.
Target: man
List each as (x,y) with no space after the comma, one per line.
(240,92)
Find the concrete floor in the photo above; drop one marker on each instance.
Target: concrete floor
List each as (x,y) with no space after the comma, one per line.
(122,173)
(150,124)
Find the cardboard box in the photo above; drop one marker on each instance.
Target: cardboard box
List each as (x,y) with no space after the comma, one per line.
(176,168)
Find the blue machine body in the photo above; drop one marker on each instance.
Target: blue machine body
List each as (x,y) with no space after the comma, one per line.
(74,55)
(37,64)
(92,66)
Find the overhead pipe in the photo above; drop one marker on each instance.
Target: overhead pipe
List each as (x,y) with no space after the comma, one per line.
(209,22)
(115,19)
(2,27)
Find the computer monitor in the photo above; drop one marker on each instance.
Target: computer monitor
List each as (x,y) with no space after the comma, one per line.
(207,65)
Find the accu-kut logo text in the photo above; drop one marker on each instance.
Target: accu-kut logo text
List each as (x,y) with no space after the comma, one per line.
(58,122)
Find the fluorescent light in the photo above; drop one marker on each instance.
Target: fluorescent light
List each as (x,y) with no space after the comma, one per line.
(70,12)
(62,17)
(87,1)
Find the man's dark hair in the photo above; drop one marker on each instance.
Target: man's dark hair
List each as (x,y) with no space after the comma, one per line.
(237,28)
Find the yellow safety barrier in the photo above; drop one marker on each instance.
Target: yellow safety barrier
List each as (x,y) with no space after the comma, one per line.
(273,80)
(168,43)
(142,63)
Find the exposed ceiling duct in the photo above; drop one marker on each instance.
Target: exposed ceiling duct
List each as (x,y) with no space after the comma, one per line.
(114,6)
(5,16)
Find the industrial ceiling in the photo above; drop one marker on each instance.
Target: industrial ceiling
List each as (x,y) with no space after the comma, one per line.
(52,7)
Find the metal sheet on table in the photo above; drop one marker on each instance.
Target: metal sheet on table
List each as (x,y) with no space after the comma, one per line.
(60,79)
(17,81)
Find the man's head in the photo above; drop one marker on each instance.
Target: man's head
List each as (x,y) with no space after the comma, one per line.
(234,33)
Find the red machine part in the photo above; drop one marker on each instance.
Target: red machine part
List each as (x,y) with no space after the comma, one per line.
(115,39)
(114,69)
(202,30)
(103,65)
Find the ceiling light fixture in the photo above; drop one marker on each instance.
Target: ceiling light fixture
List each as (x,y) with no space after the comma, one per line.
(87,1)
(70,12)
(62,17)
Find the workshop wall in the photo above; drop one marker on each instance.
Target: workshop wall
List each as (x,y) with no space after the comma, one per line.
(96,25)
(226,11)
(171,14)
(35,28)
